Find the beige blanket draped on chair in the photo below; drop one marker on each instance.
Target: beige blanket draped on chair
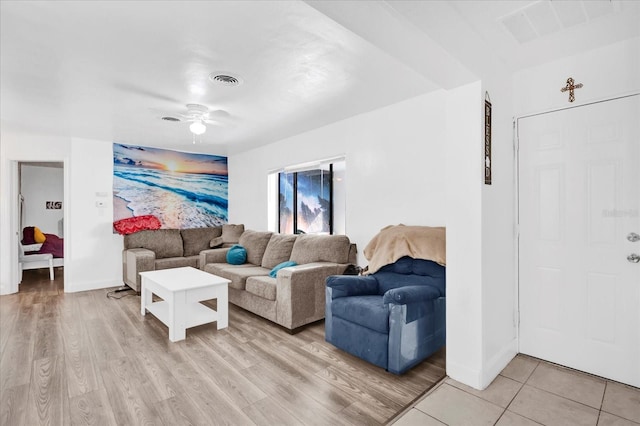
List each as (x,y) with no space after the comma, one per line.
(396,241)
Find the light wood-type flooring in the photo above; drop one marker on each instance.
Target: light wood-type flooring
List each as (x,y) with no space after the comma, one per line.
(83,358)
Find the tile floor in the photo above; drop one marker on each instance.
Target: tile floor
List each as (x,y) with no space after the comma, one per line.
(529,392)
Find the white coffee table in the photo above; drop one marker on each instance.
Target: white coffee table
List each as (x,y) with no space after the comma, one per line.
(182,289)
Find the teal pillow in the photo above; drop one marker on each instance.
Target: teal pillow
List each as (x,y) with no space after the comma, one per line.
(236,255)
(279,266)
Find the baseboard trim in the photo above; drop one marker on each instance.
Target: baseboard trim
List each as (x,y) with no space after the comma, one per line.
(463,374)
(499,361)
(480,379)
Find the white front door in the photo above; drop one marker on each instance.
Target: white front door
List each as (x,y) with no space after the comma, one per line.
(579,207)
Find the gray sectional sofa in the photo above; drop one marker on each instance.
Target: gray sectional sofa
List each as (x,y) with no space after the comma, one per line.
(296,296)
(293,298)
(171,248)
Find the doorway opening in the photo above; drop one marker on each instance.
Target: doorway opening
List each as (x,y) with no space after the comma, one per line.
(40,223)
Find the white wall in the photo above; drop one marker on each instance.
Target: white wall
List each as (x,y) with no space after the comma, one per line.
(464,171)
(395,169)
(499,287)
(39,184)
(92,251)
(606,72)
(96,255)
(481,287)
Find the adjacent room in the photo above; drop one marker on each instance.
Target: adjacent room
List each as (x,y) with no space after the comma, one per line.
(41,216)
(320,212)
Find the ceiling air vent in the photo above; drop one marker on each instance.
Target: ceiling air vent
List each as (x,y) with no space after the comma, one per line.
(225,79)
(170,119)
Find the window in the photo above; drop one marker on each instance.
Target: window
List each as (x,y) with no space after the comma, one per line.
(305,201)
(284,202)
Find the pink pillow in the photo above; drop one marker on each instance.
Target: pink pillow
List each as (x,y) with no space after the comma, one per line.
(135,224)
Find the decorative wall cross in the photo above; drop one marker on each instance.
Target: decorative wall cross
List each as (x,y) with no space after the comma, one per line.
(571,87)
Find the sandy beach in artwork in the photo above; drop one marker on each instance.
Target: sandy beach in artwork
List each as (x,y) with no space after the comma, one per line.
(120,209)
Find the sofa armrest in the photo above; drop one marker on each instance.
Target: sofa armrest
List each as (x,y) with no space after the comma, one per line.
(410,294)
(134,261)
(352,285)
(216,255)
(300,296)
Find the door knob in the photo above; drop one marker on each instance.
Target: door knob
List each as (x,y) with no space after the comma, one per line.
(633,237)
(633,258)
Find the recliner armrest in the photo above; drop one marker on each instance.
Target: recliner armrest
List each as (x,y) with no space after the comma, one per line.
(410,294)
(352,285)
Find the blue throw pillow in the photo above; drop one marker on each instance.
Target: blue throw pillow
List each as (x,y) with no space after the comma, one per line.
(236,255)
(279,266)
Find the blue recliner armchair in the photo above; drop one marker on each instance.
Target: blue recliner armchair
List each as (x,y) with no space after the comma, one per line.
(394,318)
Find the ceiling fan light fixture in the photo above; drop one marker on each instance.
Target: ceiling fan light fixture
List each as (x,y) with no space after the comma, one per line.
(197,128)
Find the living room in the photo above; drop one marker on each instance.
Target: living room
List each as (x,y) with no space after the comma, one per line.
(417,159)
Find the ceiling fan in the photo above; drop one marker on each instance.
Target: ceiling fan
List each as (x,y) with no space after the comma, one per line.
(199,115)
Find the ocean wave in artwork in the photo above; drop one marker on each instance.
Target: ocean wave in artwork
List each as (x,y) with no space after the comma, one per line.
(179,200)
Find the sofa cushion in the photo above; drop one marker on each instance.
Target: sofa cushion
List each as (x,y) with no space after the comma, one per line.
(231,233)
(310,248)
(278,250)
(255,243)
(216,242)
(163,242)
(264,287)
(367,311)
(197,239)
(176,262)
(238,274)
(236,255)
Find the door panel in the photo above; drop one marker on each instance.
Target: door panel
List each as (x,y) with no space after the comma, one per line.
(579,198)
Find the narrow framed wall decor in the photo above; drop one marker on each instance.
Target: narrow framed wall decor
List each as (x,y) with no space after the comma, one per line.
(487,139)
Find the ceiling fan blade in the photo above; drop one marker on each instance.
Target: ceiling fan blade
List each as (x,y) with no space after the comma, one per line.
(162,113)
(221,116)
(129,88)
(194,113)
(219,113)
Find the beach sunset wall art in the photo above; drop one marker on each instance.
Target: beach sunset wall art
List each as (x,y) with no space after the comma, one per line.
(183,190)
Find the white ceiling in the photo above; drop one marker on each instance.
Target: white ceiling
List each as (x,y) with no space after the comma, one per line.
(108,70)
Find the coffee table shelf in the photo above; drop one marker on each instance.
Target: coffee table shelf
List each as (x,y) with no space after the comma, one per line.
(198,313)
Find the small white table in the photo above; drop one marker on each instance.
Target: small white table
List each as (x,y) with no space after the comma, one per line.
(182,289)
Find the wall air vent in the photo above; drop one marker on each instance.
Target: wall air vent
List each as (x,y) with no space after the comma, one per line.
(225,79)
